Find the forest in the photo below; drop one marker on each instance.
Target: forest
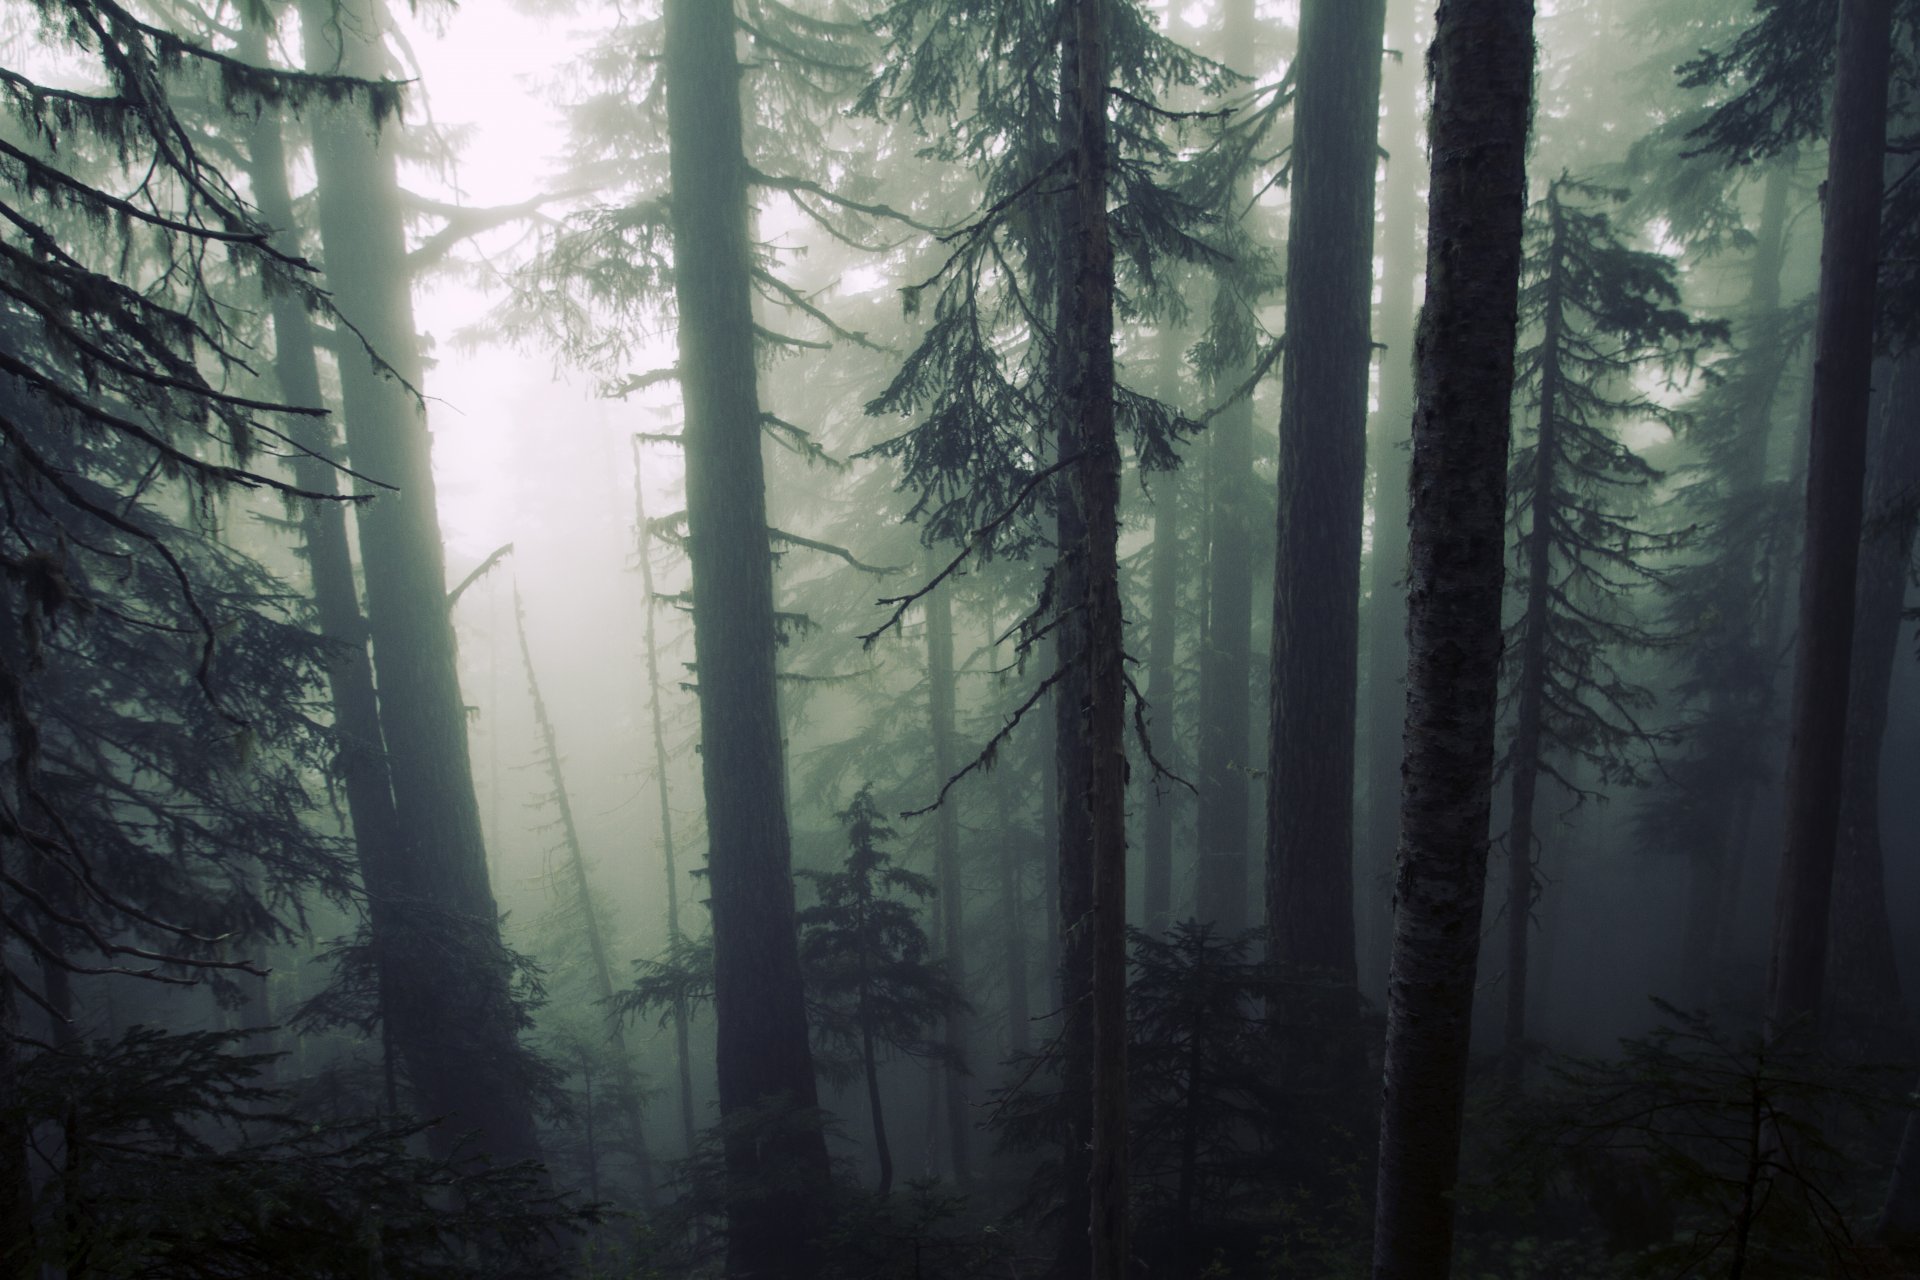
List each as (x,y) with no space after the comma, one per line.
(915,640)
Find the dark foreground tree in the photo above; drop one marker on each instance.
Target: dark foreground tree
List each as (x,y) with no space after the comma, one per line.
(1481,69)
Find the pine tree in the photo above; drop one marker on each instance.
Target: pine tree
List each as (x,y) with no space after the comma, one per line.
(1600,313)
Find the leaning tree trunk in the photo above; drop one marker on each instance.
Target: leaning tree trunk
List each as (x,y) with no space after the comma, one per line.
(1387,569)
(1481,69)
(1836,466)
(451,1012)
(626,1082)
(946,858)
(683,1057)
(1093,763)
(762,1054)
(1863,984)
(1323,475)
(1221,834)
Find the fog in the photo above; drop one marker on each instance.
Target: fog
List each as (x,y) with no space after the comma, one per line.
(811,638)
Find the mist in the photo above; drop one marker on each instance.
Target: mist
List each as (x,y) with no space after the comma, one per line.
(825,639)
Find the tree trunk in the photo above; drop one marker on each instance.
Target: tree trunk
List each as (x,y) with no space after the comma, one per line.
(881,1150)
(762,1053)
(1157,861)
(1530,702)
(626,1083)
(1481,67)
(452,1016)
(683,1057)
(1013,915)
(1836,465)
(1323,448)
(1220,887)
(1093,763)
(946,857)
(1387,569)
(1864,983)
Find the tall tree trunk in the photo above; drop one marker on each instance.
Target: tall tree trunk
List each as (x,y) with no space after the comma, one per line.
(1220,885)
(1323,474)
(1863,984)
(946,857)
(762,1053)
(1093,763)
(1716,865)
(1387,569)
(683,1057)
(1836,466)
(1157,862)
(449,1008)
(870,1064)
(626,1083)
(1530,702)
(1481,69)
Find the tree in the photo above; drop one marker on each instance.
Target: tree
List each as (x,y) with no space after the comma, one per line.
(452,1017)
(1601,313)
(1323,446)
(870,977)
(1836,466)
(763,1057)
(1481,67)
(946,857)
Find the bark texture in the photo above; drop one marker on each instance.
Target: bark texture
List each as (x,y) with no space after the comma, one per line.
(776,1179)
(1836,464)
(946,858)
(1323,452)
(1481,69)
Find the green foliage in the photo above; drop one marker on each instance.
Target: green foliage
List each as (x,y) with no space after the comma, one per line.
(866,959)
(165,1156)
(1603,316)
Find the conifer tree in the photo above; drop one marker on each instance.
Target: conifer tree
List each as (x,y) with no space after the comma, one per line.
(1600,313)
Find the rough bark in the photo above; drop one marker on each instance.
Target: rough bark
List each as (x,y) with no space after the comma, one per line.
(1836,465)
(1388,453)
(946,858)
(1093,764)
(626,1082)
(1481,69)
(763,1056)
(1863,983)
(452,1018)
(656,715)
(1323,447)
(1220,882)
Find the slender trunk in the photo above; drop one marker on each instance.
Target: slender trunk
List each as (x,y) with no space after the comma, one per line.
(1836,465)
(18,1245)
(626,1083)
(762,1053)
(1013,915)
(1524,762)
(946,846)
(880,1148)
(1220,884)
(683,1058)
(1387,570)
(1160,803)
(1864,982)
(449,1003)
(1482,75)
(1093,762)
(1898,1226)
(1323,448)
